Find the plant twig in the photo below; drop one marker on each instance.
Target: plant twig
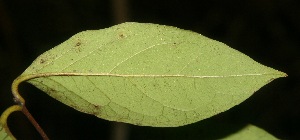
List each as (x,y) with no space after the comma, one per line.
(34,123)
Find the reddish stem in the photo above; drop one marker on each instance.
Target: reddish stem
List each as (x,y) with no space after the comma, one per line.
(34,123)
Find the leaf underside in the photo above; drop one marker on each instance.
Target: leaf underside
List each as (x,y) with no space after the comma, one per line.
(4,135)
(251,132)
(147,74)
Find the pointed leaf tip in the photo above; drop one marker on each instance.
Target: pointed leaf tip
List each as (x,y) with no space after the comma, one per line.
(251,132)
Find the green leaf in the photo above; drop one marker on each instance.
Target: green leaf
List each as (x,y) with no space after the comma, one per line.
(147,74)
(3,134)
(251,132)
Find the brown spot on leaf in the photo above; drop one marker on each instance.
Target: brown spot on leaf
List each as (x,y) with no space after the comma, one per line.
(52,90)
(97,106)
(78,46)
(96,109)
(121,35)
(78,43)
(42,61)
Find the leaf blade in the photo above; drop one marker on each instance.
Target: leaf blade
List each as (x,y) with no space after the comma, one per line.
(164,76)
(251,132)
(4,135)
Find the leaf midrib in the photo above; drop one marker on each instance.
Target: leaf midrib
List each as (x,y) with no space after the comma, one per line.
(31,76)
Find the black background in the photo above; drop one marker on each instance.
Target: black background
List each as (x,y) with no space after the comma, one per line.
(266,30)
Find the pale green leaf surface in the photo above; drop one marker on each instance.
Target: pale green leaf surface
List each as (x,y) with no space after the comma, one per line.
(251,132)
(4,135)
(147,74)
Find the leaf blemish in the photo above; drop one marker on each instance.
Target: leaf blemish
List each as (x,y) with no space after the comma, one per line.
(97,106)
(121,35)
(42,61)
(77,46)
